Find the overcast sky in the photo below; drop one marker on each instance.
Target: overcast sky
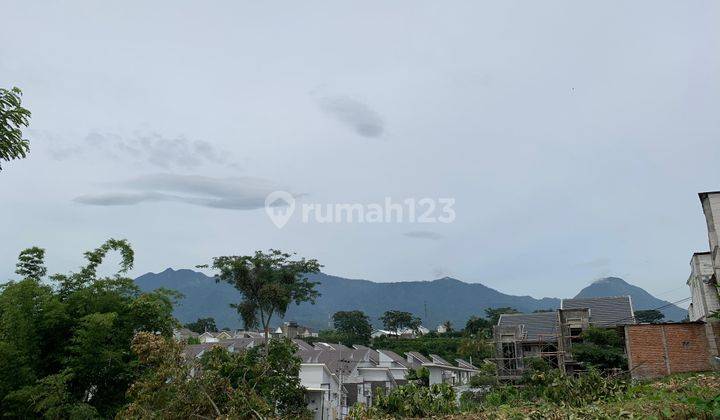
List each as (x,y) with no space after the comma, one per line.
(574,137)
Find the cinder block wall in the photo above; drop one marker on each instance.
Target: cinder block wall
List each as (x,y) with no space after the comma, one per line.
(656,350)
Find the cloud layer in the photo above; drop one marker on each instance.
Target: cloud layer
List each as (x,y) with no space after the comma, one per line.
(241,193)
(356,115)
(152,149)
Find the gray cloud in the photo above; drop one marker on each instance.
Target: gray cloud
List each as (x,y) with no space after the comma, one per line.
(423,234)
(241,193)
(358,116)
(149,148)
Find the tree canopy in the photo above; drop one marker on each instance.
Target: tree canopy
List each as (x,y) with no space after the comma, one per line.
(65,343)
(269,282)
(248,384)
(202,325)
(649,315)
(397,321)
(353,326)
(13,118)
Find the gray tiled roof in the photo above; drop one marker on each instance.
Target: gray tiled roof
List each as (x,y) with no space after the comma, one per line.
(604,311)
(419,357)
(395,357)
(439,360)
(538,325)
(465,364)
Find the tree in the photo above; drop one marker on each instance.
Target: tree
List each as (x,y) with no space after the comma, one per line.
(397,321)
(493,314)
(269,282)
(353,326)
(649,315)
(248,384)
(476,325)
(202,325)
(30,263)
(600,348)
(13,117)
(448,326)
(65,346)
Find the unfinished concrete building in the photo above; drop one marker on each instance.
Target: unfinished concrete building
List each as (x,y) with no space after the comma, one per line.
(551,335)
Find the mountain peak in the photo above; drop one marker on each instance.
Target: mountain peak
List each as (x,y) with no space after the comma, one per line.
(610,280)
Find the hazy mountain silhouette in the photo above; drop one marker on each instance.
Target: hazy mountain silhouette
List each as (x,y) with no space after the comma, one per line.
(434,301)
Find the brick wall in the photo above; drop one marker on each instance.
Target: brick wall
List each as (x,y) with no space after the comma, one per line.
(661,349)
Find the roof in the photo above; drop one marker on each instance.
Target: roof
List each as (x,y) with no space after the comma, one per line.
(537,325)
(419,357)
(465,364)
(439,360)
(301,344)
(604,311)
(394,357)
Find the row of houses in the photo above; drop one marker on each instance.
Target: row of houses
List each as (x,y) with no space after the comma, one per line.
(336,376)
(288,330)
(652,350)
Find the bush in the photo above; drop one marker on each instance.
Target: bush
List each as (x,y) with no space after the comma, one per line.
(601,348)
(409,401)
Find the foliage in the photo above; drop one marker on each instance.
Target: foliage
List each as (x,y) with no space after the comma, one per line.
(493,314)
(601,348)
(65,346)
(269,282)
(409,401)
(202,325)
(649,315)
(13,117)
(677,396)
(31,263)
(353,327)
(398,320)
(553,386)
(420,375)
(477,326)
(249,384)
(449,348)
(448,326)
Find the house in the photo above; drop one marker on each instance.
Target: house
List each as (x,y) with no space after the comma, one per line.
(292,330)
(323,391)
(214,337)
(184,334)
(550,335)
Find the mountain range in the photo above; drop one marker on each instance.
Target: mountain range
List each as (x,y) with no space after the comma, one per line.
(433,301)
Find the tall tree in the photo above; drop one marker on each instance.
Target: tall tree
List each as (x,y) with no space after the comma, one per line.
(397,321)
(13,118)
(31,263)
(493,314)
(269,282)
(202,325)
(354,327)
(649,315)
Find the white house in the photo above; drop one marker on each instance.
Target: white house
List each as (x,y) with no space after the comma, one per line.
(323,392)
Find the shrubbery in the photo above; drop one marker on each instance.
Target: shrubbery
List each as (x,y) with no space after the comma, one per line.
(409,401)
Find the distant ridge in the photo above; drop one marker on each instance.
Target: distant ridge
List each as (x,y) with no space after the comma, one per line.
(615,286)
(443,299)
